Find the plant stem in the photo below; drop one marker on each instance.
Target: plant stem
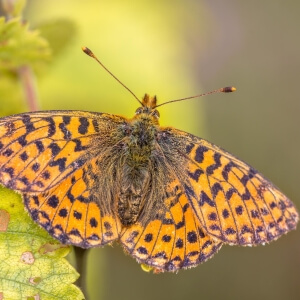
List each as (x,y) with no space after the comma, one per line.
(29,86)
(81,264)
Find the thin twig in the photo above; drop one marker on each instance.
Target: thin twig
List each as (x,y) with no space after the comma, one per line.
(81,264)
(29,87)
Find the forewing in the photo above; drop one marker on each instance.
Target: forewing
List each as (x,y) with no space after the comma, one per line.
(74,211)
(231,200)
(39,150)
(171,237)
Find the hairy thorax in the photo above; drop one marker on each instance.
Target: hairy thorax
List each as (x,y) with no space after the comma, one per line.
(135,181)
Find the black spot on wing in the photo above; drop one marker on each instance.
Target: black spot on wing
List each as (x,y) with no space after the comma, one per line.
(55,149)
(239,210)
(8,152)
(24,156)
(77,215)
(227,169)
(225,213)
(39,146)
(196,174)
(229,193)
(63,213)
(67,134)
(180,224)
(35,167)
(185,207)
(28,124)
(84,124)
(78,146)
(53,201)
(246,195)
(66,120)
(200,153)
(46,175)
(142,250)
(93,223)
(22,140)
(179,243)
(189,148)
(61,163)
(192,237)
(166,238)
(205,199)
(148,237)
(212,216)
(216,188)
(52,127)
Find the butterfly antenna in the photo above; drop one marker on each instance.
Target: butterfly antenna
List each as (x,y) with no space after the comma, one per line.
(227,89)
(91,54)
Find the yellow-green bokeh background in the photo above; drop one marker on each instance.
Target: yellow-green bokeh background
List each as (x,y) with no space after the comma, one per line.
(176,49)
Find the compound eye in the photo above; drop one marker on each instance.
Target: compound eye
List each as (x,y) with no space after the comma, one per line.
(139,111)
(156,114)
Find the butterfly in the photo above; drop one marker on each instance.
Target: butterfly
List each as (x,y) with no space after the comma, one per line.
(171,199)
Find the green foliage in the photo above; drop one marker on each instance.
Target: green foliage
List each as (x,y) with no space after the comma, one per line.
(32,264)
(13,8)
(20,46)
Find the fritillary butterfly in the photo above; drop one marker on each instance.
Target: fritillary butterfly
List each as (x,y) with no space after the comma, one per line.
(169,198)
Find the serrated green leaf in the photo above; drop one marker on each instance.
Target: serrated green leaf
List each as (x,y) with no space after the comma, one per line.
(21,46)
(32,264)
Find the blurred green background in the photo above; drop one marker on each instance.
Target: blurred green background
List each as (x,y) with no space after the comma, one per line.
(176,49)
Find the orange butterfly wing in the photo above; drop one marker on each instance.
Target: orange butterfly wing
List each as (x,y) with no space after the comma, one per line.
(74,212)
(172,237)
(54,159)
(232,201)
(38,150)
(200,196)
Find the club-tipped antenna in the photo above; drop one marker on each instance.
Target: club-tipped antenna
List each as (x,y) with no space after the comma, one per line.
(91,54)
(227,89)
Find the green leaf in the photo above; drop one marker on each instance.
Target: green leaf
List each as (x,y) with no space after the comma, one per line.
(32,264)
(20,46)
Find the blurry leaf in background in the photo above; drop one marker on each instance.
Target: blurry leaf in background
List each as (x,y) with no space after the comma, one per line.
(59,34)
(21,46)
(13,8)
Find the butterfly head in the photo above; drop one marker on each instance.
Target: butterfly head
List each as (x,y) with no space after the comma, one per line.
(148,108)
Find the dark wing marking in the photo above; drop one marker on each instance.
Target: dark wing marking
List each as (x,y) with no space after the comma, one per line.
(38,150)
(231,200)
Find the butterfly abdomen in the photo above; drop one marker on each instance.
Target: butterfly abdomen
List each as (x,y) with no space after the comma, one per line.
(135,176)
